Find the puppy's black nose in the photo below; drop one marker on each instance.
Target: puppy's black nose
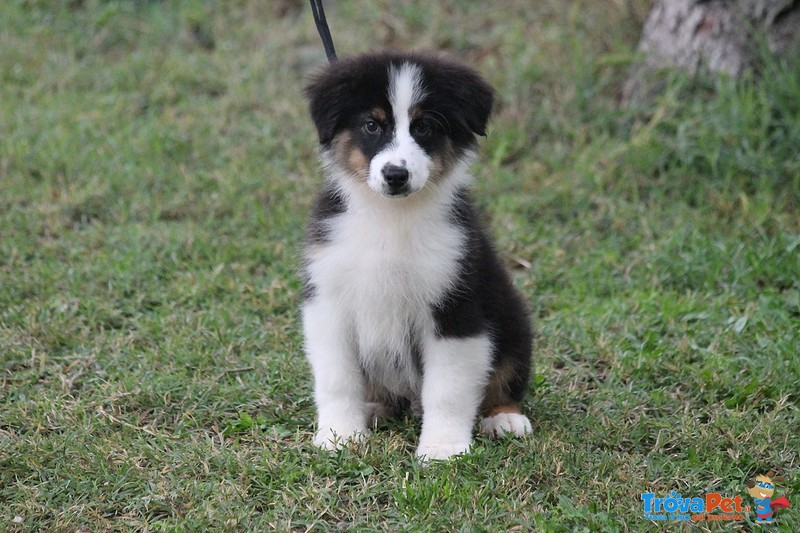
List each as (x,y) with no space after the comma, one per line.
(395,177)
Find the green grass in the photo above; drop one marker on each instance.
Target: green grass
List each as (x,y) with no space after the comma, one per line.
(156,170)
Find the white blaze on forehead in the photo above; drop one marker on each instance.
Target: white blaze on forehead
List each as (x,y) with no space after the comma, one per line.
(405,90)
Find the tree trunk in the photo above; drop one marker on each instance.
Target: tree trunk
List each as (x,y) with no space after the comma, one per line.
(727,36)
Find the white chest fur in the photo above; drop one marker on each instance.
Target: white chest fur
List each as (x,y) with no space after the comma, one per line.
(383,269)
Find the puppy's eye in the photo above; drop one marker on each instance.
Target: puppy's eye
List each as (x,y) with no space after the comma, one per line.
(371,127)
(421,128)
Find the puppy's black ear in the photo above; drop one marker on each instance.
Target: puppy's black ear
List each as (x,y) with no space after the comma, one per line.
(321,105)
(477,99)
(325,94)
(463,96)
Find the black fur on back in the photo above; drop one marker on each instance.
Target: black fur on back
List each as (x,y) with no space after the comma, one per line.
(485,300)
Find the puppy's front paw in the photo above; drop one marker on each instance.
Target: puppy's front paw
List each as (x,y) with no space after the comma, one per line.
(439,450)
(503,423)
(330,439)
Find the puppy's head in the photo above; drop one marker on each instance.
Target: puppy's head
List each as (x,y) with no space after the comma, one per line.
(397,122)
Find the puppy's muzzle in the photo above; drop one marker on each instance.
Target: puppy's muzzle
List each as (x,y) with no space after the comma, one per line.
(396,180)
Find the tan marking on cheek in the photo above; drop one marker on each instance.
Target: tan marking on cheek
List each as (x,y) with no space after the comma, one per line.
(436,167)
(340,142)
(496,398)
(443,161)
(350,156)
(357,163)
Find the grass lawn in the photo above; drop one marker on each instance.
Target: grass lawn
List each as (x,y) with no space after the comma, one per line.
(157,166)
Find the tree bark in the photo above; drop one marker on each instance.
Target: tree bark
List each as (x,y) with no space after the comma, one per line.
(721,36)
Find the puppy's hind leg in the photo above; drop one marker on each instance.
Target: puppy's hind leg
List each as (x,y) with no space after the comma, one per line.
(504,420)
(504,392)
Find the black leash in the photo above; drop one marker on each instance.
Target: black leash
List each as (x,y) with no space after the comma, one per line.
(322,28)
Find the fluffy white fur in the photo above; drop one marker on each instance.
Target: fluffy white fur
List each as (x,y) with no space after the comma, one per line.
(375,281)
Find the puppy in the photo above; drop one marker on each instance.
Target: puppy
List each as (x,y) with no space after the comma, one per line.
(406,303)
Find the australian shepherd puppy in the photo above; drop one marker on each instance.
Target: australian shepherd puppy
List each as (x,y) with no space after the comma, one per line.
(406,303)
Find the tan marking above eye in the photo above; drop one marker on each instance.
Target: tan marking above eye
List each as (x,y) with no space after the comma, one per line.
(415,113)
(379,114)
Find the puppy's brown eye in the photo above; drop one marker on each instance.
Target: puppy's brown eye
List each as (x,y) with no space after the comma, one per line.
(421,128)
(371,127)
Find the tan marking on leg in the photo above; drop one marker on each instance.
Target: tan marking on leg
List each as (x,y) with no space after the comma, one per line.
(496,395)
(510,408)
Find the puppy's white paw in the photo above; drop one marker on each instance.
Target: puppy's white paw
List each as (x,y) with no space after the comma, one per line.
(503,423)
(441,450)
(330,439)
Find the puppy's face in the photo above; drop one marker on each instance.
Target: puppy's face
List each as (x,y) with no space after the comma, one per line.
(398,122)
